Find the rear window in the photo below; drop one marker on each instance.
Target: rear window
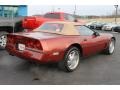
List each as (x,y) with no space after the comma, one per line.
(52,15)
(51,27)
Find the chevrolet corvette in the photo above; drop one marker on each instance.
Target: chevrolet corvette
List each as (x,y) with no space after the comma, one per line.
(62,42)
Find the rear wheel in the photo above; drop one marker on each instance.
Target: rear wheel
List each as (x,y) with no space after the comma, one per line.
(71,60)
(3,39)
(111,47)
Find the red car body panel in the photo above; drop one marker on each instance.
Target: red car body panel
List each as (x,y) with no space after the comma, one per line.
(50,47)
(32,22)
(88,47)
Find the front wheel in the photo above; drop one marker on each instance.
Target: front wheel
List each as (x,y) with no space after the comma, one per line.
(111,47)
(71,60)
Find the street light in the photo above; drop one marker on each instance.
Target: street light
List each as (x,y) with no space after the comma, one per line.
(116,7)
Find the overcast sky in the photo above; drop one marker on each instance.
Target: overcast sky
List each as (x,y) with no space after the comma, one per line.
(80,9)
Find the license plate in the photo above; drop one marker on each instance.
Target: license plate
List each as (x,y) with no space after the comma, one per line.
(21,47)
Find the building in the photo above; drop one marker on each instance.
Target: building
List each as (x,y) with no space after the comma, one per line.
(13,10)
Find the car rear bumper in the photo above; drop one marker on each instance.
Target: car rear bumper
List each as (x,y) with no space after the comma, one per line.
(28,54)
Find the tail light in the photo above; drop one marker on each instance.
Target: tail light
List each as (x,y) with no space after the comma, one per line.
(28,42)
(34,44)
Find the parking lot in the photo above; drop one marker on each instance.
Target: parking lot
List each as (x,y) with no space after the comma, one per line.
(98,69)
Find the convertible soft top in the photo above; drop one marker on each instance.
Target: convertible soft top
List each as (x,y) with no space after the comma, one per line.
(68,28)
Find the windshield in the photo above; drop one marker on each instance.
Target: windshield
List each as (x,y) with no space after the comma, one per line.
(51,27)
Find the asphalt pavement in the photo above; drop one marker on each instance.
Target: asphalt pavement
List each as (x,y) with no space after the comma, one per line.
(99,69)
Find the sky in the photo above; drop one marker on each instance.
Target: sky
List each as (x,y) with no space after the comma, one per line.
(80,9)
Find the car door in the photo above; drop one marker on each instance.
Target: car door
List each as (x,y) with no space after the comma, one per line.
(90,43)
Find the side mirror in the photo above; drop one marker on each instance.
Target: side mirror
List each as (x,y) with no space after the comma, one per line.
(96,34)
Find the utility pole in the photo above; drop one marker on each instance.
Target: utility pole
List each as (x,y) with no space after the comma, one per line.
(74,10)
(116,12)
(13,19)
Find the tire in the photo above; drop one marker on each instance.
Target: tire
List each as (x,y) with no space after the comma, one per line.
(70,61)
(3,39)
(111,47)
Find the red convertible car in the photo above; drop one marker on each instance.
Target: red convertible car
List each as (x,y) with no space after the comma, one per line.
(62,42)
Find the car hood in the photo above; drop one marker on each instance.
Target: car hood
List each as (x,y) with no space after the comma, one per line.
(38,35)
